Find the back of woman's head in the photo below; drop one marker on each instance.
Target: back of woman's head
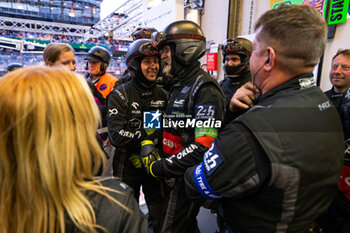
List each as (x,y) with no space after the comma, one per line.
(48,120)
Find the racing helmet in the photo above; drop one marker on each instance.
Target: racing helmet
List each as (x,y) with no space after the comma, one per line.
(186,40)
(143,33)
(99,53)
(14,66)
(239,46)
(137,50)
(243,48)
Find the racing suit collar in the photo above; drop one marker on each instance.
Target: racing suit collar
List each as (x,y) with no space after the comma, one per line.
(293,82)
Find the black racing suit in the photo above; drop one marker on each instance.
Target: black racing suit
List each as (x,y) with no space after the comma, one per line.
(112,216)
(276,167)
(229,86)
(337,218)
(126,106)
(335,97)
(193,95)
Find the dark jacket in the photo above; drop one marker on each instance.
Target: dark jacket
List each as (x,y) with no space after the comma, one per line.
(276,167)
(229,87)
(113,217)
(194,95)
(126,106)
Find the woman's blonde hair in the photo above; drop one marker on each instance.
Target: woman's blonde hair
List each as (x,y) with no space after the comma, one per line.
(48,151)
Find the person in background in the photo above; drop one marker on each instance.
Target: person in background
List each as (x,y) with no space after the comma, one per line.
(59,54)
(236,53)
(49,155)
(337,217)
(339,76)
(127,105)
(98,59)
(276,167)
(139,33)
(194,96)
(14,66)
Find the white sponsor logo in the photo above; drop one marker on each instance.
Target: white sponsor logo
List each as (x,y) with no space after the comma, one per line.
(306,83)
(135,105)
(191,123)
(169,143)
(120,95)
(179,102)
(183,153)
(324,106)
(157,103)
(113,111)
(125,133)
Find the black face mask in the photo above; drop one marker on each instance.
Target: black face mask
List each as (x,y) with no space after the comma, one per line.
(235,71)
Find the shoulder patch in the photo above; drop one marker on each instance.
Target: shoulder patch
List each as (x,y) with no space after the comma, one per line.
(204,111)
(212,159)
(202,184)
(103,87)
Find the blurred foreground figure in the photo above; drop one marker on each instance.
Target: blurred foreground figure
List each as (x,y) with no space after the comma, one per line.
(48,155)
(276,167)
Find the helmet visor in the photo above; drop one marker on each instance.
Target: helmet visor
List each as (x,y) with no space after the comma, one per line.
(232,46)
(141,33)
(160,37)
(148,50)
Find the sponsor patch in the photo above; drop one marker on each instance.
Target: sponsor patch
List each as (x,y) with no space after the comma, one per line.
(177,113)
(212,159)
(179,103)
(202,184)
(135,105)
(171,143)
(103,87)
(134,123)
(113,111)
(157,103)
(205,111)
(306,83)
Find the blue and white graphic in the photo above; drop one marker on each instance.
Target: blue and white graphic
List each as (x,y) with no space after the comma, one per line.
(151,120)
(212,159)
(202,184)
(205,111)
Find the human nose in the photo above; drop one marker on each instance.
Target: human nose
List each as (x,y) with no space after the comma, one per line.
(72,67)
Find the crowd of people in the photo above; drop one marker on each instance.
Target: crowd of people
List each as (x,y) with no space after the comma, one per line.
(263,149)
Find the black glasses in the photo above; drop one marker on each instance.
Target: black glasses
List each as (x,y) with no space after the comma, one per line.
(148,50)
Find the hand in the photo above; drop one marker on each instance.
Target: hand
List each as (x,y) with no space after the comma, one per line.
(243,97)
(135,160)
(149,154)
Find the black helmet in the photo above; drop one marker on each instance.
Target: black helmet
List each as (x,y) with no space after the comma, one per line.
(137,50)
(243,48)
(14,66)
(99,53)
(143,33)
(239,46)
(186,40)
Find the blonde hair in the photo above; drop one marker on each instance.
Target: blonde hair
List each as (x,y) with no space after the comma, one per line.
(48,151)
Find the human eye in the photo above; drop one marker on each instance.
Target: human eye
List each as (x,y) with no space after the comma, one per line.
(334,67)
(346,68)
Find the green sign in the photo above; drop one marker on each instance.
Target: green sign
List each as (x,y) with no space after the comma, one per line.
(338,11)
